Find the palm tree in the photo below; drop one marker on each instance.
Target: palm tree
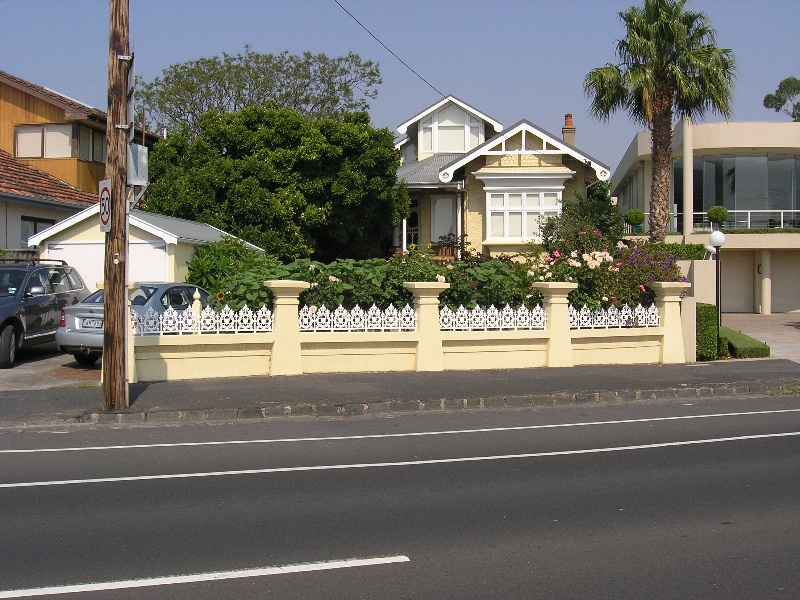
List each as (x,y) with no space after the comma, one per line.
(669,65)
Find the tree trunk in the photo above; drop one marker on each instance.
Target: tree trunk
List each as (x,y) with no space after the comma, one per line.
(661,149)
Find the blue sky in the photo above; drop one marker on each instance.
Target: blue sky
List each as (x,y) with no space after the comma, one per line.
(511,59)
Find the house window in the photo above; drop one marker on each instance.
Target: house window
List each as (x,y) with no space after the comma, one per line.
(30,226)
(450,130)
(519,216)
(92,144)
(44,141)
(59,140)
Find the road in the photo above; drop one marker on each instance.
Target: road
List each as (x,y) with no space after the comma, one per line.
(680,499)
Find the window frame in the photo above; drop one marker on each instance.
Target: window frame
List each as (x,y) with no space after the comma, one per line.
(526,208)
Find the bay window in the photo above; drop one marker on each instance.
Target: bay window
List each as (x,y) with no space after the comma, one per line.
(519,216)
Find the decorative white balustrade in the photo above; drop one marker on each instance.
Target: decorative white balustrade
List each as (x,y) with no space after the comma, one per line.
(209,321)
(586,318)
(321,318)
(478,319)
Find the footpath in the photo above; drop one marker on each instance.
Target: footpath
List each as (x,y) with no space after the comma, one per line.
(346,395)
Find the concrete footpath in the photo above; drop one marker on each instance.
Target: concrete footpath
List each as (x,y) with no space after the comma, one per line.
(343,395)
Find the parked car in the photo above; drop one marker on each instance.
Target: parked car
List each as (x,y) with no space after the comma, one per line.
(32,295)
(80,329)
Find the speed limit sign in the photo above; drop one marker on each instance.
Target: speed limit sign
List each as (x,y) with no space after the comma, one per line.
(105,205)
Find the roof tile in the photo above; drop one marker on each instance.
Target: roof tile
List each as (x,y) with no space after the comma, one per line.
(22,180)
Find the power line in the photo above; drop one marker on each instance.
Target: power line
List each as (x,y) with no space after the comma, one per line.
(389,50)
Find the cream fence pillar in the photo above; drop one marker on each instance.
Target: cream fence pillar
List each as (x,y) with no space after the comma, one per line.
(668,302)
(556,306)
(426,303)
(285,358)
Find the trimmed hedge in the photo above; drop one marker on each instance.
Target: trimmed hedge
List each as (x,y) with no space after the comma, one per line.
(684,251)
(743,346)
(706,331)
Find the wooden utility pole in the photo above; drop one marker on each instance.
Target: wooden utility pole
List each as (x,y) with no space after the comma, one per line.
(115,384)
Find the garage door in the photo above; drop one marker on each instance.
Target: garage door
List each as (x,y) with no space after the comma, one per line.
(147,260)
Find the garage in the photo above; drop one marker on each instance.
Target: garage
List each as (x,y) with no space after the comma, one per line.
(147,261)
(159,246)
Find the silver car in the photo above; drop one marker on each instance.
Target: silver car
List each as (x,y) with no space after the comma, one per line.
(80,330)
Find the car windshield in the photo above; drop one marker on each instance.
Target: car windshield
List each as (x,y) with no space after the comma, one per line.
(10,280)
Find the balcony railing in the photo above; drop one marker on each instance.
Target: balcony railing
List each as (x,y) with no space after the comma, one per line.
(737,219)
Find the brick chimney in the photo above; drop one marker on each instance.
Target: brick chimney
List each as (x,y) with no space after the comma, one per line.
(568,131)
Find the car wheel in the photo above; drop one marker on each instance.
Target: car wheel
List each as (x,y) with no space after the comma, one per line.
(8,347)
(86,359)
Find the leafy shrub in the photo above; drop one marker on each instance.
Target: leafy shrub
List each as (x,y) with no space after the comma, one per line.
(634,217)
(234,273)
(638,266)
(706,325)
(717,214)
(580,215)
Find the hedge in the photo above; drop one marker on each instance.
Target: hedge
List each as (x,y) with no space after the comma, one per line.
(706,331)
(741,345)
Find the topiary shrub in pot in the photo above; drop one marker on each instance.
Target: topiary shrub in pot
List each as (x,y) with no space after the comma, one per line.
(718,214)
(634,217)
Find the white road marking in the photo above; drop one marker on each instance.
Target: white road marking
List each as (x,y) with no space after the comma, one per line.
(200,577)
(396,435)
(405,463)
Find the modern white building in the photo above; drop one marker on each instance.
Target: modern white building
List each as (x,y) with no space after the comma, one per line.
(753,170)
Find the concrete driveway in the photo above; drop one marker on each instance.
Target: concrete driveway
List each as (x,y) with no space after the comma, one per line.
(42,367)
(780,331)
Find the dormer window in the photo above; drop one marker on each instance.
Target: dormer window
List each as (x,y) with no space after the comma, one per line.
(450,129)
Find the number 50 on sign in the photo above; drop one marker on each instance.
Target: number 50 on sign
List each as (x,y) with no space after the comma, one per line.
(105,205)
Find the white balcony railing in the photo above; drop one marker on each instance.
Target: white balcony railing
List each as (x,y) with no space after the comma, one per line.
(737,219)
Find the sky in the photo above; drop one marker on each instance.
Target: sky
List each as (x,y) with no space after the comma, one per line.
(509,59)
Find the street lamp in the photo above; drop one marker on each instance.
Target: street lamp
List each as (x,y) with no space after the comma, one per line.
(717,239)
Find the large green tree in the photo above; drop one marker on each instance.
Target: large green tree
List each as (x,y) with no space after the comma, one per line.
(670,66)
(295,186)
(783,100)
(315,85)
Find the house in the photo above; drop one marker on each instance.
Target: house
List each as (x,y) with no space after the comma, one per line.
(32,200)
(469,176)
(159,246)
(753,170)
(57,135)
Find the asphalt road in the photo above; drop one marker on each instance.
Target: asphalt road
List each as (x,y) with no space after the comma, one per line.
(694,499)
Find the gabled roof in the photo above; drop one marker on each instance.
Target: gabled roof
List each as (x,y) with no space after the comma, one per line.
(20,181)
(72,108)
(171,230)
(601,170)
(425,173)
(434,107)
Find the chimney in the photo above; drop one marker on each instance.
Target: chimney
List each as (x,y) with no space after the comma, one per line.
(568,131)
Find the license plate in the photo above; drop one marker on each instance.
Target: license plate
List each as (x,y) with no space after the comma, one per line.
(92,323)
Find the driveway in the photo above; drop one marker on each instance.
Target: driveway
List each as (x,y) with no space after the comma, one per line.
(42,367)
(780,331)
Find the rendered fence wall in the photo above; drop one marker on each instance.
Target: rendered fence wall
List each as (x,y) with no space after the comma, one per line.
(547,340)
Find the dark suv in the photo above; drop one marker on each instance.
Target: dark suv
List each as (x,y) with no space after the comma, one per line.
(32,294)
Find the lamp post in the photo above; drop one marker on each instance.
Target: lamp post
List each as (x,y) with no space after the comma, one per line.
(717,239)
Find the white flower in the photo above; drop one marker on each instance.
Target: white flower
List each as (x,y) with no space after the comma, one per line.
(440,278)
